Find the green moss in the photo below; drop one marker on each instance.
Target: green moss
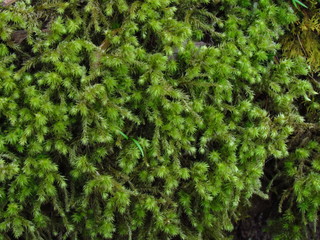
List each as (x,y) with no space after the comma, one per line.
(206,118)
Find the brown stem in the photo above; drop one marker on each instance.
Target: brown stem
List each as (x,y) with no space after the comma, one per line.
(303,49)
(103,46)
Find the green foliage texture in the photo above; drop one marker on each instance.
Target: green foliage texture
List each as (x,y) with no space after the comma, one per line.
(299,174)
(115,124)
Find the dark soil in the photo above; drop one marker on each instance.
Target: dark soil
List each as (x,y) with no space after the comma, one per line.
(253,226)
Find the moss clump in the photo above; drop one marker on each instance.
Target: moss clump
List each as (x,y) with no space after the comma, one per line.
(82,75)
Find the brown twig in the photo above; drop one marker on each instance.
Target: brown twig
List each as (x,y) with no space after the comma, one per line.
(304,51)
(314,80)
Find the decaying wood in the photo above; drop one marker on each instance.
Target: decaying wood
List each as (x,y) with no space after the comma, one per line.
(6,3)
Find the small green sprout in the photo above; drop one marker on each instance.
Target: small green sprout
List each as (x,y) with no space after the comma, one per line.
(297,2)
(134,140)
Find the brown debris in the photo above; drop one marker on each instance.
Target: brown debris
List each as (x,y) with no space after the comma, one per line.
(6,3)
(18,36)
